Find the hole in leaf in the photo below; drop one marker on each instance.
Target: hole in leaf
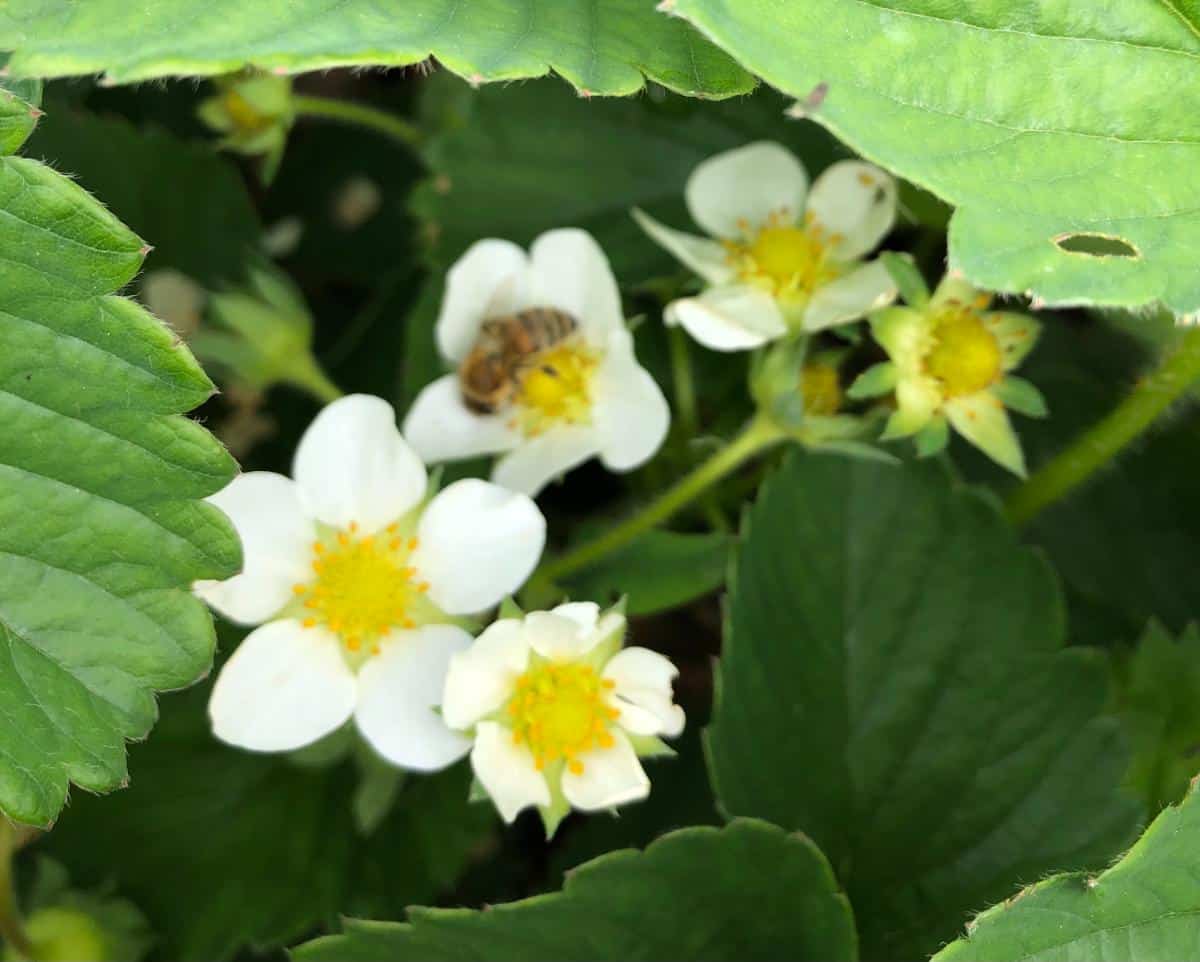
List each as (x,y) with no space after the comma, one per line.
(1096,245)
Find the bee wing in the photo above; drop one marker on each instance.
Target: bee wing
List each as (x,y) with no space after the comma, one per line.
(506,298)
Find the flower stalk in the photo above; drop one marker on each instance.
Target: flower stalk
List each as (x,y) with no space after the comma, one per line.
(759,435)
(1098,445)
(360,115)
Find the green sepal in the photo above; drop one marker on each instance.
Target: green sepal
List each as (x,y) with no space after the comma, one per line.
(510,609)
(379,782)
(477,793)
(650,746)
(904,271)
(1022,396)
(325,751)
(933,438)
(876,380)
(559,808)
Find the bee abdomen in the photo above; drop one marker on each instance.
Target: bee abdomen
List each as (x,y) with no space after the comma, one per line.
(546,326)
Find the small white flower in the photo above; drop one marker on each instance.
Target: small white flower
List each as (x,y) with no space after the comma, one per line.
(785,258)
(359,581)
(585,397)
(560,712)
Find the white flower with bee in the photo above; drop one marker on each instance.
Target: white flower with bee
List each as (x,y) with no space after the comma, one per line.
(780,257)
(546,375)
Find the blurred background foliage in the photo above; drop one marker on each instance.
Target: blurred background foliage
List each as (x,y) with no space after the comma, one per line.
(230,855)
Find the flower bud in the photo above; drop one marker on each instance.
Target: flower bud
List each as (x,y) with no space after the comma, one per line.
(253,112)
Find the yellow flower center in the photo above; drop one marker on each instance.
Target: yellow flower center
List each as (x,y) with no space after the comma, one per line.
(364,587)
(246,118)
(557,388)
(790,260)
(821,388)
(966,356)
(561,711)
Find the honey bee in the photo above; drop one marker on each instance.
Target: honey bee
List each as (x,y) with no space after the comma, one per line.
(506,348)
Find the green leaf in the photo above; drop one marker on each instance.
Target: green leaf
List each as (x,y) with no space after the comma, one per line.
(258,850)
(1144,908)
(1049,129)
(658,571)
(748,891)
(206,229)
(101,528)
(1160,705)
(607,47)
(894,684)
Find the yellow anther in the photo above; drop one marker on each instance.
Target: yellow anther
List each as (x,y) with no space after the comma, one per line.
(558,711)
(966,356)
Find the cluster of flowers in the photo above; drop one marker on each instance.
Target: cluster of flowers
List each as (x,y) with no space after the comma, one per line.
(367,586)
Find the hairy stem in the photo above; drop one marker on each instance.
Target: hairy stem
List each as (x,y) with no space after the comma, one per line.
(759,435)
(12,928)
(358,114)
(1103,441)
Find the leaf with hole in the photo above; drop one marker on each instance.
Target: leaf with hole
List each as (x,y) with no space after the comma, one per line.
(1041,123)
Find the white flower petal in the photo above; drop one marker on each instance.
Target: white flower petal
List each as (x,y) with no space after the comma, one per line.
(855,201)
(584,613)
(643,692)
(569,271)
(630,414)
(541,459)
(705,257)
(610,777)
(277,540)
(353,465)
(398,692)
(734,193)
(507,771)
(863,290)
(481,679)
(478,544)
(490,271)
(734,318)
(440,427)
(558,637)
(285,687)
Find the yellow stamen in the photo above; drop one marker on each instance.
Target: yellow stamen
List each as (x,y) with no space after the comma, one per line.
(557,388)
(966,356)
(364,587)
(787,259)
(561,712)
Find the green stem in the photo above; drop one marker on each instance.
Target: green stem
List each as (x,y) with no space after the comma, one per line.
(759,435)
(12,928)
(358,114)
(685,389)
(310,376)
(1103,441)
